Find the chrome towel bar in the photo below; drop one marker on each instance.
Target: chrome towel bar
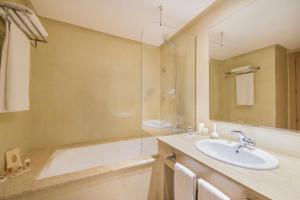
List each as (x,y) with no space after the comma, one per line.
(171,157)
(13,13)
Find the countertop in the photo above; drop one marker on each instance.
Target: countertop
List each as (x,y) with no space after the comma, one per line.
(282,183)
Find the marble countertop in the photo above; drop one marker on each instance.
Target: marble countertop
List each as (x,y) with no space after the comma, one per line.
(282,183)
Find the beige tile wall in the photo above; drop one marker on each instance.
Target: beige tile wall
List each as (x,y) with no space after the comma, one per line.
(219,88)
(151,82)
(85,87)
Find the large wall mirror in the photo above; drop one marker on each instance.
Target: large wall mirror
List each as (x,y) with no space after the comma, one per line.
(255,65)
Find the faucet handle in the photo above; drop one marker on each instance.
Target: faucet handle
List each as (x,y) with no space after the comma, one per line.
(235,131)
(249,141)
(240,133)
(243,139)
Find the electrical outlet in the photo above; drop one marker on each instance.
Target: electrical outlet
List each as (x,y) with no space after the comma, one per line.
(13,159)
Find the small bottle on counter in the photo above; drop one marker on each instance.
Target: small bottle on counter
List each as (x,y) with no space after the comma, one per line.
(214,134)
(205,131)
(201,128)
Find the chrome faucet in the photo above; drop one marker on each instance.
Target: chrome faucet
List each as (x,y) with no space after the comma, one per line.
(243,140)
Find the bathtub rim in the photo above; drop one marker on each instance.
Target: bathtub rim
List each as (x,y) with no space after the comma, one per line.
(29,182)
(57,150)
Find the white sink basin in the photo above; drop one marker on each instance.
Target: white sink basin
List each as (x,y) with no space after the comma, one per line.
(225,151)
(157,124)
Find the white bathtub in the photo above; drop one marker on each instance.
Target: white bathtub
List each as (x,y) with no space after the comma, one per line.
(71,160)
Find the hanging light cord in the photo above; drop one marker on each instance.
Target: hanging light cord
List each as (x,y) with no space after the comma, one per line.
(222,39)
(160,14)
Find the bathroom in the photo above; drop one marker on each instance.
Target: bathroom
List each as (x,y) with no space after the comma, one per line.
(155,100)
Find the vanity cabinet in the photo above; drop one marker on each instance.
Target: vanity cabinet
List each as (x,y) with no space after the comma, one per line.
(233,189)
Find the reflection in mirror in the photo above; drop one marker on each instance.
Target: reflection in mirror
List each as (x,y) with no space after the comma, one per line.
(255,66)
(168,81)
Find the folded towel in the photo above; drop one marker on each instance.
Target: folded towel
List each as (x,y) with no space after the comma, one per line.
(206,191)
(15,71)
(184,183)
(245,89)
(244,69)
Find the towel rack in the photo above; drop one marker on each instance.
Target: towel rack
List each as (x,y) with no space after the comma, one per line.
(23,26)
(171,157)
(252,69)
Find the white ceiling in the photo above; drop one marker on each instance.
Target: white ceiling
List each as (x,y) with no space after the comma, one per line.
(124,18)
(261,24)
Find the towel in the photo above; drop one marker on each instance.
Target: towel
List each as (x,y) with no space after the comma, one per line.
(184,183)
(245,89)
(244,69)
(15,70)
(3,67)
(206,191)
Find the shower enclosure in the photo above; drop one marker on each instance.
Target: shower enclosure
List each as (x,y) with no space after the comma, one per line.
(168,80)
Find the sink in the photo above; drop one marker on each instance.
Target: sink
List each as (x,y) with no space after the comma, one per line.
(225,151)
(157,124)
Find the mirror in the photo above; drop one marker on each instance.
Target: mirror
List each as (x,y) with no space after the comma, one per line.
(255,65)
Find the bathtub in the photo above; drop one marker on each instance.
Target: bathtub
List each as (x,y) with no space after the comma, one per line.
(70,160)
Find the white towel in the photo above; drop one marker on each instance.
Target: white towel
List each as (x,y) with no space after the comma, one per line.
(245,89)
(15,71)
(3,67)
(244,69)
(184,183)
(206,191)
